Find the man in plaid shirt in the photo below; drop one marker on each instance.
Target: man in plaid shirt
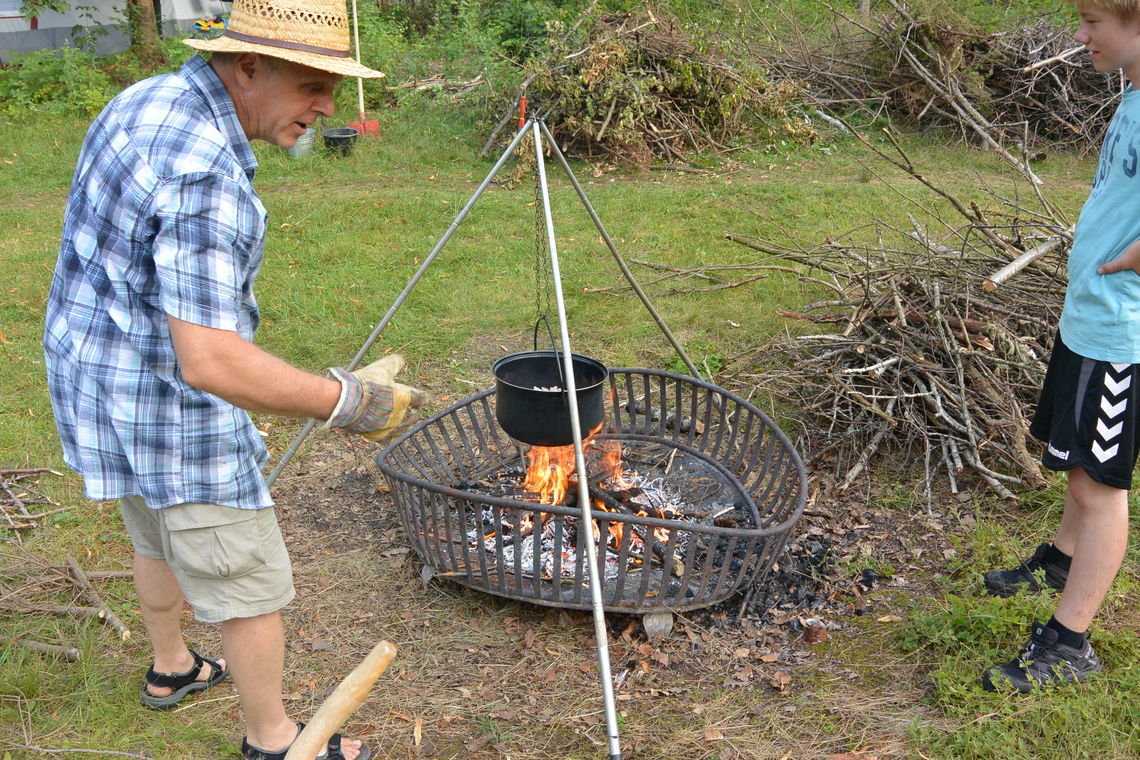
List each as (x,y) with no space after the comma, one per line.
(148,340)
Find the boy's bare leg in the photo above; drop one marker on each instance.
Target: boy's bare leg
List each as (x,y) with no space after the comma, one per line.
(1066,538)
(1096,520)
(255,649)
(160,601)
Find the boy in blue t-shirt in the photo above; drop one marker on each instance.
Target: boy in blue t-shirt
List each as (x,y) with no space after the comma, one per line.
(1087,412)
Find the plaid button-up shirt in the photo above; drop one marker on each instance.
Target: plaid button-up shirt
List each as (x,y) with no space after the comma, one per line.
(161,220)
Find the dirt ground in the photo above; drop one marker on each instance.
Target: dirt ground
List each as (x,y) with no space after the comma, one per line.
(805,671)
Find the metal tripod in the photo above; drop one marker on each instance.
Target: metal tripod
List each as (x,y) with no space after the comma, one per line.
(538,128)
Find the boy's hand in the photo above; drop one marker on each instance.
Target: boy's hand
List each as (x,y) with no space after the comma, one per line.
(1130,259)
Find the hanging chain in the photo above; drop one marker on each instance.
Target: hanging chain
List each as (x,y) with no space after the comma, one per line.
(542,284)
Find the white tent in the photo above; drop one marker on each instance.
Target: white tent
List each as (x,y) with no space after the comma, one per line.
(20,34)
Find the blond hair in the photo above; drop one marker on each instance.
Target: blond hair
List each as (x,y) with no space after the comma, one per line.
(1125,9)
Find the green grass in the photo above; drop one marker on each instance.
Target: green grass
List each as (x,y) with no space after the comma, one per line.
(347,234)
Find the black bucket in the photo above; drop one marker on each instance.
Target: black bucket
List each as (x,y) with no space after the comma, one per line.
(540,417)
(340,139)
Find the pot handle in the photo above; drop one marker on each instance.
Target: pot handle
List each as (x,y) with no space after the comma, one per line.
(554,345)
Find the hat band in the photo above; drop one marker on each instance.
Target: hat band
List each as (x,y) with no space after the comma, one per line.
(285,44)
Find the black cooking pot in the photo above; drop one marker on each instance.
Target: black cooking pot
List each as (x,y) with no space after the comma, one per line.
(542,417)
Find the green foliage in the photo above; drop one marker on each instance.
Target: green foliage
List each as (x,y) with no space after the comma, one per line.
(126,68)
(989,16)
(64,79)
(639,87)
(704,353)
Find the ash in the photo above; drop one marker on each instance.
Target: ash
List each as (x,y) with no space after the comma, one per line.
(676,487)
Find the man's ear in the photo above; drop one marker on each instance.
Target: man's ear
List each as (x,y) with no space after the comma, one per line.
(246,68)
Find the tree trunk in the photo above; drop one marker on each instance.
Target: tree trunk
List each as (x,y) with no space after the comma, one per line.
(143,25)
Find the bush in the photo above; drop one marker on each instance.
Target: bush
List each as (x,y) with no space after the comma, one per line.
(64,79)
(638,87)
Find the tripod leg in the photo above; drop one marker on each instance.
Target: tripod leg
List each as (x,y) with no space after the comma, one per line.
(617,256)
(308,428)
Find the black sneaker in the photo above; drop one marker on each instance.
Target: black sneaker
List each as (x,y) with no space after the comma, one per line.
(1027,576)
(1044,661)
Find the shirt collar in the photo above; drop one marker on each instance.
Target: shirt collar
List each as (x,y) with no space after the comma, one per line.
(205,80)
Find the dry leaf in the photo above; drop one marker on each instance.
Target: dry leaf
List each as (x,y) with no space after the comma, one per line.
(814,634)
(890,619)
(418,732)
(780,680)
(714,735)
(769,657)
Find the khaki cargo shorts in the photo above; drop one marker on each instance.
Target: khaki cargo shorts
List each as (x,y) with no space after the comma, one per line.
(230,563)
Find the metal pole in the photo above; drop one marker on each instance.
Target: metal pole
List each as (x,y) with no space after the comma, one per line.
(617,256)
(296,445)
(580,464)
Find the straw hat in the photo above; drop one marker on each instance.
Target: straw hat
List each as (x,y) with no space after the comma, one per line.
(312,33)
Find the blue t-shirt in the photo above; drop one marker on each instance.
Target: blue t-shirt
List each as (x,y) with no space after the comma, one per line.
(1101,318)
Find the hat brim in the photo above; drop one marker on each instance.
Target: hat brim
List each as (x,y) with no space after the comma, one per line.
(344,66)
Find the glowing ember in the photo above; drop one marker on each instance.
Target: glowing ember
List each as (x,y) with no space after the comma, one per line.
(551,476)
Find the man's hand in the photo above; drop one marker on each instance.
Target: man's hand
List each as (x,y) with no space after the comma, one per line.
(1130,259)
(372,403)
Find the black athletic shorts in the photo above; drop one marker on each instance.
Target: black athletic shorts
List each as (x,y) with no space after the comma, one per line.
(1087,416)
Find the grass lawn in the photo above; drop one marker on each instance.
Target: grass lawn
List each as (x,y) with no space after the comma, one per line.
(346,235)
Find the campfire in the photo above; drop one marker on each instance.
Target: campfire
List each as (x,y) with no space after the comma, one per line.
(665,492)
(694,494)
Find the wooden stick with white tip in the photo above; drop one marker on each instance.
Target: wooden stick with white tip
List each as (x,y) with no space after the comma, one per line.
(345,698)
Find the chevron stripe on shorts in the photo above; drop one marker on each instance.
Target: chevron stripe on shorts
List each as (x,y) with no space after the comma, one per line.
(1113,405)
(1087,416)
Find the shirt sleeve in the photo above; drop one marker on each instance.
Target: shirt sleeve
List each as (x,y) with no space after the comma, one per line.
(206,244)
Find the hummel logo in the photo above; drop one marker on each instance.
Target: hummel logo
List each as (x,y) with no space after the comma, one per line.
(1112,410)
(1064,455)
(1104,454)
(1106,432)
(1120,367)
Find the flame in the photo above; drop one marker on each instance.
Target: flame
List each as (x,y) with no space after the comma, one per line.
(548,473)
(551,467)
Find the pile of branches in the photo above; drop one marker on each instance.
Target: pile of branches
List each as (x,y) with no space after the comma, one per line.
(634,87)
(18,491)
(32,585)
(1029,85)
(935,336)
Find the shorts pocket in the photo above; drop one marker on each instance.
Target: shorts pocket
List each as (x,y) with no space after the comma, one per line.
(208,541)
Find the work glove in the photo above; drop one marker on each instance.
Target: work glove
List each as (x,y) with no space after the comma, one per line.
(372,403)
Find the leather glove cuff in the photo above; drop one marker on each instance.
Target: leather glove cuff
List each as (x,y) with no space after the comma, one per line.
(363,407)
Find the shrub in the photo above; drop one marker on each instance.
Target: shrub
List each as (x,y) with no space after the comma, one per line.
(63,79)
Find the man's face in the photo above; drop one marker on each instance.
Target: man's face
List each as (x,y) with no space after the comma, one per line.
(284,100)
(1113,43)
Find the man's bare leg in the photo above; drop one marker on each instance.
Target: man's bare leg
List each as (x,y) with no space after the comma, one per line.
(255,649)
(160,600)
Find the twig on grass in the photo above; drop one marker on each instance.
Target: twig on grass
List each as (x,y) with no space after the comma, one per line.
(50,751)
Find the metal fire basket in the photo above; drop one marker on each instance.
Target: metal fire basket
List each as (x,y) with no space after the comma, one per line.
(430,470)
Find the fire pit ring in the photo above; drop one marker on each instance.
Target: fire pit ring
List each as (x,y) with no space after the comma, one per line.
(690,430)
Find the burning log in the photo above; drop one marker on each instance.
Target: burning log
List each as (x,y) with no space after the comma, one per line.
(551,478)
